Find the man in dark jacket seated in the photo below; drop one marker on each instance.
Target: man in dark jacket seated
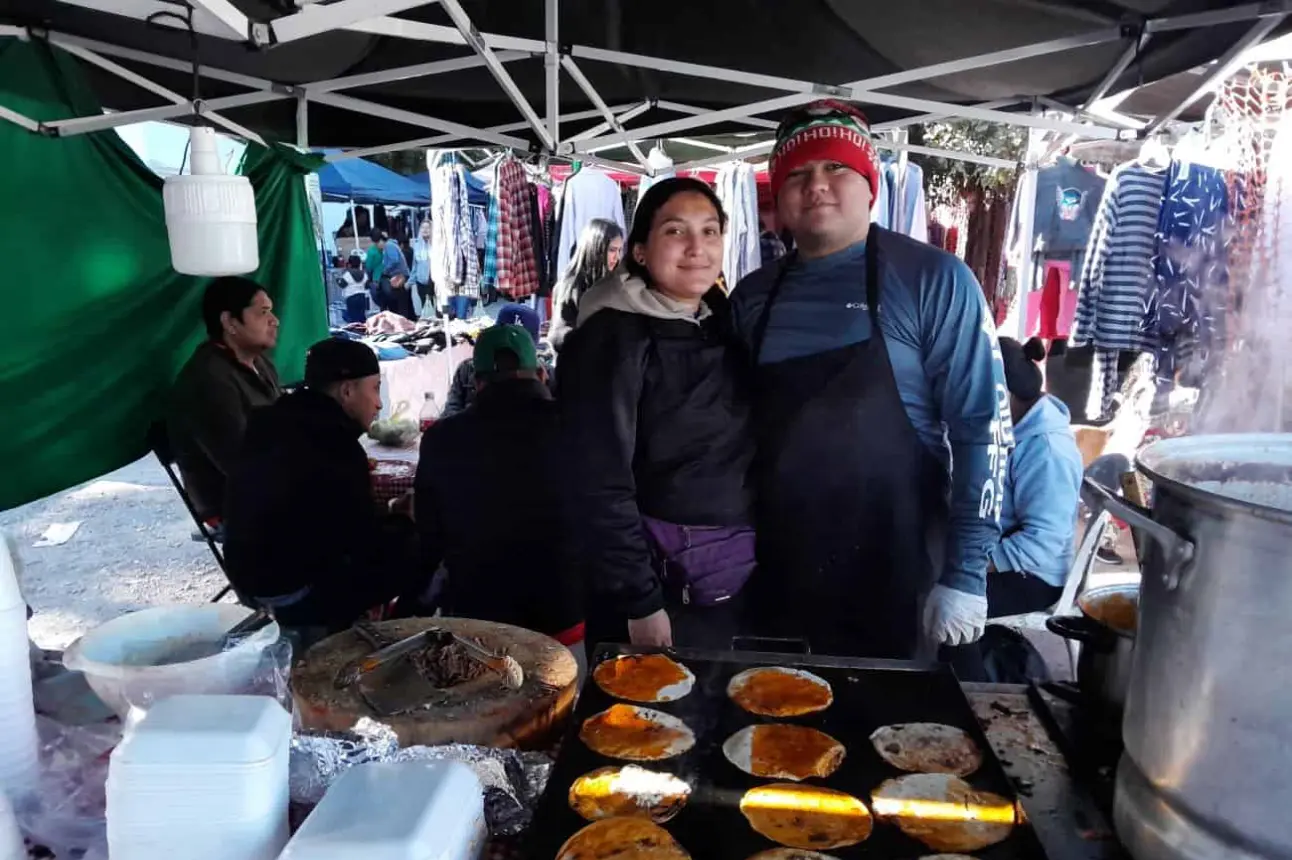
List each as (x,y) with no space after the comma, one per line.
(303,533)
(491,497)
(228,376)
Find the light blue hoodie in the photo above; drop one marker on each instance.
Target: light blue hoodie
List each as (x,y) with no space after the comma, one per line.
(1041,490)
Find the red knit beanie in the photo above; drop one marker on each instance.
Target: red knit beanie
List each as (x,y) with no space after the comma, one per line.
(825,130)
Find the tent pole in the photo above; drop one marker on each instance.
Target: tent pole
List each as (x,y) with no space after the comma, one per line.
(18,119)
(373,109)
(99,122)
(463,22)
(316,19)
(140,81)
(665,129)
(302,121)
(1223,68)
(552,64)
(404,73)
(765,147)
(573,70)
(440,140)
(354,225)
(692,110)
(934,117)
(236,24)
(600,128)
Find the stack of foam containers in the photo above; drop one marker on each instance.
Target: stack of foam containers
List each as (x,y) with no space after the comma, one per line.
(201,778)
(19,744)
(409,810)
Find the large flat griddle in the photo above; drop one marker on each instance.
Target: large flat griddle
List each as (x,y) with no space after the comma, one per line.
(867,694)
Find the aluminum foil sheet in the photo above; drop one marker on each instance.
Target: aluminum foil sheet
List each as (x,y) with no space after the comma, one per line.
(513,781)
(318,758)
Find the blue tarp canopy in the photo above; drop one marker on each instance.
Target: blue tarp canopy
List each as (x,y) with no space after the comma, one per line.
(366,182)
(477,193)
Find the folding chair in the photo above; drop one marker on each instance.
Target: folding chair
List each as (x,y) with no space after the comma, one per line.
(159,444)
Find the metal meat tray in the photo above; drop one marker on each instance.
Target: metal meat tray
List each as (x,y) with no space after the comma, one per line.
(867,694)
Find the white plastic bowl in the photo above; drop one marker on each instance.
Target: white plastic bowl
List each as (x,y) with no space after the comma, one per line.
(118,657)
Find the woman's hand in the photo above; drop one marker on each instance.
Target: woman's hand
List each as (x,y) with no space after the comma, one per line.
(653,631)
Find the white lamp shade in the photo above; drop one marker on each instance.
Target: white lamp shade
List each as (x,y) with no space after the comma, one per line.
(210,217)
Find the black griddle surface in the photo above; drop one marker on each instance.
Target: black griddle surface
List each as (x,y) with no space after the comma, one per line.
(867,694)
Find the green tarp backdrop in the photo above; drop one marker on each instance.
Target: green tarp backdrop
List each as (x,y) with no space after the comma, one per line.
(97,323)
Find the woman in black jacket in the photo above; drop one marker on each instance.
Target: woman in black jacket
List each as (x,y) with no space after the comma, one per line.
(652,394)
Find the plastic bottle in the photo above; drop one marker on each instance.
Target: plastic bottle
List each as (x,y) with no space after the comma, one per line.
(430,412)
(19,744)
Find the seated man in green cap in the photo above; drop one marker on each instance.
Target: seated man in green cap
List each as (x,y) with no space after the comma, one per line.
(304,536)
(490,497)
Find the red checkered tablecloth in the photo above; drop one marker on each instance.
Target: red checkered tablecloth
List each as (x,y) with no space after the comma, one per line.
(393,469)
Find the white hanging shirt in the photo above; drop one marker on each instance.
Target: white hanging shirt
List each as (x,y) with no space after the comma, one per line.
(588,194)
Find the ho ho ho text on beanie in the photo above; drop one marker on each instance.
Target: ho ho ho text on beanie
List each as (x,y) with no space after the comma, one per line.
(825,130)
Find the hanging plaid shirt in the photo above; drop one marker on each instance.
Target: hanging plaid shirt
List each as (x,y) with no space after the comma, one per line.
(517,265)
(489,278)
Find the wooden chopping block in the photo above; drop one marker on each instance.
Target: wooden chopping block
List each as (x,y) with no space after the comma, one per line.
(480,712)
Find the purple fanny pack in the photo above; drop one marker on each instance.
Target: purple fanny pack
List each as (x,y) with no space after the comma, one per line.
(710,563)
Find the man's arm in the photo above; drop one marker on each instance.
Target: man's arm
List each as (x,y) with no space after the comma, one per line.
(963,364)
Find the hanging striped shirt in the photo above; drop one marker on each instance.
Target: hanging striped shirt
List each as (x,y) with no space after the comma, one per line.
(1117,278)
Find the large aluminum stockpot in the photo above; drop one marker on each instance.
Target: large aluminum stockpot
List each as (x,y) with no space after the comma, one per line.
(1208,723)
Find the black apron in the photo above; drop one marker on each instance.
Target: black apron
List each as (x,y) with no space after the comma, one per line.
(851,502)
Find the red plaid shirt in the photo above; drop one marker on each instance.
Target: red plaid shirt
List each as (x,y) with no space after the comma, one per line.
(517,264)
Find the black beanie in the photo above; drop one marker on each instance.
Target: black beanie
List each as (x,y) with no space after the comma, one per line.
(333,360)
(1022,376)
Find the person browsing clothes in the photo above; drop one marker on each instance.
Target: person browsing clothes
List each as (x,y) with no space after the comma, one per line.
(652,392)
(600,248)
(882,442)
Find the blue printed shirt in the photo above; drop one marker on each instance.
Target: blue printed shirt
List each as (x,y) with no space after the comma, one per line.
(942,345)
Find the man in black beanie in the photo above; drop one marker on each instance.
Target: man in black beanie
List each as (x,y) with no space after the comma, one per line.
(303,534)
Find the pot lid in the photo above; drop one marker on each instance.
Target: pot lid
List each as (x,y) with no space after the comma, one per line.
(1252,470)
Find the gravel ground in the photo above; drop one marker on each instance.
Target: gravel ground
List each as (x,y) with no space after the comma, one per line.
(133,550)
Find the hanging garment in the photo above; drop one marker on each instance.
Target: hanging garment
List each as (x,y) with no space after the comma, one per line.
(588,194)
(1117,282)
(846,570)
(915,217)
(881,210)
(1191,272)
(738,191)
(1051,309)
(663,167)
(1066,204)
(517,268)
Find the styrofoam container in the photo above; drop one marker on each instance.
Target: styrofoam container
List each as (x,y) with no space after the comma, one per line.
(11,844)
(119,657)
(408,810)
(198,731)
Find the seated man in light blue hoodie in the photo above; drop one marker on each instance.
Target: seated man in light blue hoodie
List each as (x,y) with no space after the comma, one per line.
(1038,521)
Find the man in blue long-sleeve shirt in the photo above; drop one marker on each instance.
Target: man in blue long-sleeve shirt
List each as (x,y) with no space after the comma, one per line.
(882,458)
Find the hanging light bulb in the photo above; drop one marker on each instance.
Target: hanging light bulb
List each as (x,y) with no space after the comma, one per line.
(210,216)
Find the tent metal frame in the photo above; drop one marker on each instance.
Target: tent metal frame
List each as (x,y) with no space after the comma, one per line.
(221,19)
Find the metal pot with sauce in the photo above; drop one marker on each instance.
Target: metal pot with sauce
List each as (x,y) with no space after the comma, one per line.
(1106,630)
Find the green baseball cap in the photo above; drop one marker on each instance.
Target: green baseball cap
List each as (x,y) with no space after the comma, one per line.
(509,337)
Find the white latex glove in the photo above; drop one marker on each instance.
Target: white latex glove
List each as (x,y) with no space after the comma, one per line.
(954,618)
(655,630)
